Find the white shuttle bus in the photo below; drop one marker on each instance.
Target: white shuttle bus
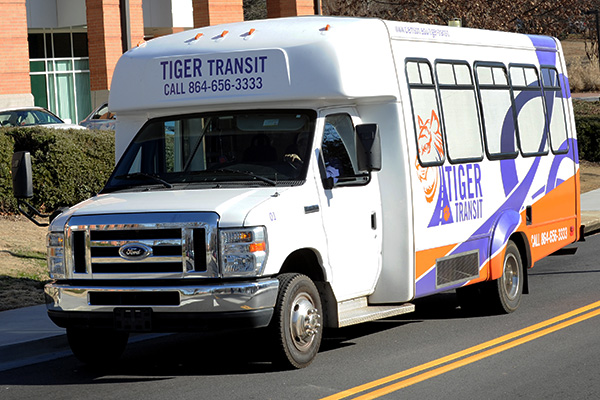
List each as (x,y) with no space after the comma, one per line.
(303,173)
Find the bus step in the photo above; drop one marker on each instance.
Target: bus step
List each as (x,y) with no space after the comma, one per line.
(355,311)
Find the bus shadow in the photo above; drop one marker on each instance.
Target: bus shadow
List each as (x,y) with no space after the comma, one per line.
(437,307)
(195,354)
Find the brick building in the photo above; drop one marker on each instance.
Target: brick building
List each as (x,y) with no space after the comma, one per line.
(60,54)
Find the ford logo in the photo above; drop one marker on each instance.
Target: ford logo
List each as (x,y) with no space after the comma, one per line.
(135,251)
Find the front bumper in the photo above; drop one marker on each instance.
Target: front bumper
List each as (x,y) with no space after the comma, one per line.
(173,307)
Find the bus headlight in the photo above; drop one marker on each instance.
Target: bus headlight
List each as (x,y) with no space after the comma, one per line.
(56,255)
(243,251)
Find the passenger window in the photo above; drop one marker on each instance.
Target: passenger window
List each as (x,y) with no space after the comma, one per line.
(531,119)
(426,113)
(460,111)
(497,111)
(339,150)
(556,110)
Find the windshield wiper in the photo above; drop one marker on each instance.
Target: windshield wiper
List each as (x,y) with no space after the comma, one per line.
(143,175)
(246,173)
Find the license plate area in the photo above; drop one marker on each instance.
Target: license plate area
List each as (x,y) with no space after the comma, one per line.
(133,319)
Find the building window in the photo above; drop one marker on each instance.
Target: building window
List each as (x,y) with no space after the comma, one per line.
(60,74)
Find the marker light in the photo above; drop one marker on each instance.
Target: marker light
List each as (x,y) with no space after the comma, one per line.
(327,27)
(224,34)
(198,36)
(141,43)
(251,31)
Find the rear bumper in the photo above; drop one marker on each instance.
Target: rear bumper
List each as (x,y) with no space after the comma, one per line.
(172,308)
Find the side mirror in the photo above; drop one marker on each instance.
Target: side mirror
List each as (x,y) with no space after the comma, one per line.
(21,175)
(368,147)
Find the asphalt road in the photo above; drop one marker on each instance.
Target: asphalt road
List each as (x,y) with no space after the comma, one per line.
(548,349)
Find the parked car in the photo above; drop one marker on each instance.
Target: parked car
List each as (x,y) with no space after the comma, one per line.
(100,118)
(32,116)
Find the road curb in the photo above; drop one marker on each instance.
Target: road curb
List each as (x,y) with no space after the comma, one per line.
(591,222)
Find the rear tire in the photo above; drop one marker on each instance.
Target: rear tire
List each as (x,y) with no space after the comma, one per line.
(97,347)
(501,296)
(297,321)
(506,291)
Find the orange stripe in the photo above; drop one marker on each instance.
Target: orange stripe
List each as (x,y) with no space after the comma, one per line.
(426,259)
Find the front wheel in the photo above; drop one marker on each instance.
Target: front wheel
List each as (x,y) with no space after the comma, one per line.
(297,321)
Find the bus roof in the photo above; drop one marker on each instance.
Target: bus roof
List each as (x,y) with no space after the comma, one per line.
(317,59)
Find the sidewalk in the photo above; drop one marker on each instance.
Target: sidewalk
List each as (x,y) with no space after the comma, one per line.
(590,211)
(588,96)
(27,335)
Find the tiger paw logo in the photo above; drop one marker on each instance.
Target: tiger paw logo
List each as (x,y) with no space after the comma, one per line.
(447,214)
(431,149)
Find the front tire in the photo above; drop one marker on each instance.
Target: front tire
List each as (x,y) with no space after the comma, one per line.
(297,321)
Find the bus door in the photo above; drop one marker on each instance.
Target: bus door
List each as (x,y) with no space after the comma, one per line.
(350,208)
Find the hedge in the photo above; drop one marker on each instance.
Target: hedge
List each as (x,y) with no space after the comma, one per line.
(68,165)
(587,121)
(7,201)
(588,138)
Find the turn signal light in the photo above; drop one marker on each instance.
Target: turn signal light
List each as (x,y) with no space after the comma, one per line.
(254,247)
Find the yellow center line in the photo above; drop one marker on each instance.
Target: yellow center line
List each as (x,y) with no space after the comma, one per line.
(435,363)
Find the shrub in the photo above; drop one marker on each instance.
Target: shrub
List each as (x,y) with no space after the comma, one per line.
(68,165)
(587,122)
(588,138)
(583,75)
(7,202)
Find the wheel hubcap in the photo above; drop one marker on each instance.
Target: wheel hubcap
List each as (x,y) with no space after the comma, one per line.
(511,276)
(304,321)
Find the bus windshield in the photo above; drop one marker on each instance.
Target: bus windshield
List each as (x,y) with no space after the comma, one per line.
(257,147)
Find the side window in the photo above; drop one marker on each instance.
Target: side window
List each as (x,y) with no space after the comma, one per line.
(531,118)
(339,149)
(497,110)
(426,113)
(460,111)
(555,107)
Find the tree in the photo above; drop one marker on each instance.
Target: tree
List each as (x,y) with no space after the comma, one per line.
(549,17)
(255,9)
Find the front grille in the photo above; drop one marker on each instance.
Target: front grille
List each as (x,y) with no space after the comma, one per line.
(166,255)
(143,245)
